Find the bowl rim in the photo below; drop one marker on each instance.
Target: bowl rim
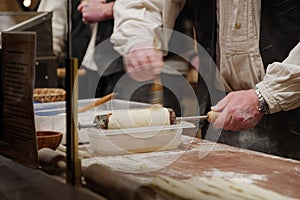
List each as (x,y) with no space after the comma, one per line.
(55,134)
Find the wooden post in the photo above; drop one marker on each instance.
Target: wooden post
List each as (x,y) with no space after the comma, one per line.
(71,64)
(73,162)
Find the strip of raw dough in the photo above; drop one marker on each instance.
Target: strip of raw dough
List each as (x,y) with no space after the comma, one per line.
(214,188)
(180,189)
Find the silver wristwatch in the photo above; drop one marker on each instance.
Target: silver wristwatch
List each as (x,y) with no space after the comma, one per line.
(263,106)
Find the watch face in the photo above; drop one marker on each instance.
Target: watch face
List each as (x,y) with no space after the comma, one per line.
(263,106)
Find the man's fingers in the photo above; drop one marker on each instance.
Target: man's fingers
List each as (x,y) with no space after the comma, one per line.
(137,70)
(157,67)
(221,104)
(155,58)
(223,119)
(143,63)
(81,5)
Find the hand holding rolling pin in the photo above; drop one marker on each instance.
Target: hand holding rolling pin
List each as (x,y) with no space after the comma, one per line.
(238,111)
(143,62)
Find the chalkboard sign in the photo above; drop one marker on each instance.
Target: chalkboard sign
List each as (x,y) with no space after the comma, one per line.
(18,137)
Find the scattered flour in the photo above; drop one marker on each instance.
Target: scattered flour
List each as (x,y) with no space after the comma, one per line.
(246,178)
(137,163)
(297,169)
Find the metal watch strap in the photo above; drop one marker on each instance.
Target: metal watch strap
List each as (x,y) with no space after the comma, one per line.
(263,106)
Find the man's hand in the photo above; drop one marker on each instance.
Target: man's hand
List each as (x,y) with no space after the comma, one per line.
(239,111)
(143,62)
(95,10)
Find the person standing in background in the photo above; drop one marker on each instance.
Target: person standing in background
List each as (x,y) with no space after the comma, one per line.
(172,96)
(91,23)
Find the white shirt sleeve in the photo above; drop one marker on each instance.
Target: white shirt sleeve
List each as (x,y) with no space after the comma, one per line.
(59,22)
(281,84)
(140,21)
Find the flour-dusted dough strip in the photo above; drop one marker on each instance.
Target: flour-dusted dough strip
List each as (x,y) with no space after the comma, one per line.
(211,186)
(133,118)
(229,189)
(214,188)
(180,188)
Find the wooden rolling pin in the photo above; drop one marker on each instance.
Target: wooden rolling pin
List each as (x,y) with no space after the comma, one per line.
(52,162)
(116,186)
(98,102)
(212,116)
(157,91)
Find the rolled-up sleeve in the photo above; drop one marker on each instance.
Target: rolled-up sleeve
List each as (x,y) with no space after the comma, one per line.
(281,84)
(59,22)
(140,21)
(135,22)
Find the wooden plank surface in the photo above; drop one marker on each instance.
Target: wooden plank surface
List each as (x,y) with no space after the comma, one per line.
(18,182)
(201,158)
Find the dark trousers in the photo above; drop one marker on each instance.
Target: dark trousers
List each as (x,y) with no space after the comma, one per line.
(107,84)
(91,85)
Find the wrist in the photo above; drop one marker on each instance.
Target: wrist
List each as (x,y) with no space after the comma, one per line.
(263,106)
(110,10)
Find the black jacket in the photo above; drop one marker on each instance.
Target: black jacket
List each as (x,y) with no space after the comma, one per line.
(81,34)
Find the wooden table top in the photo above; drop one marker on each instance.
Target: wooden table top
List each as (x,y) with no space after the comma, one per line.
(195,157)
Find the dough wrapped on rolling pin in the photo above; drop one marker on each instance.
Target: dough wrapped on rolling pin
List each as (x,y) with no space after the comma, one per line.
(132,118)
